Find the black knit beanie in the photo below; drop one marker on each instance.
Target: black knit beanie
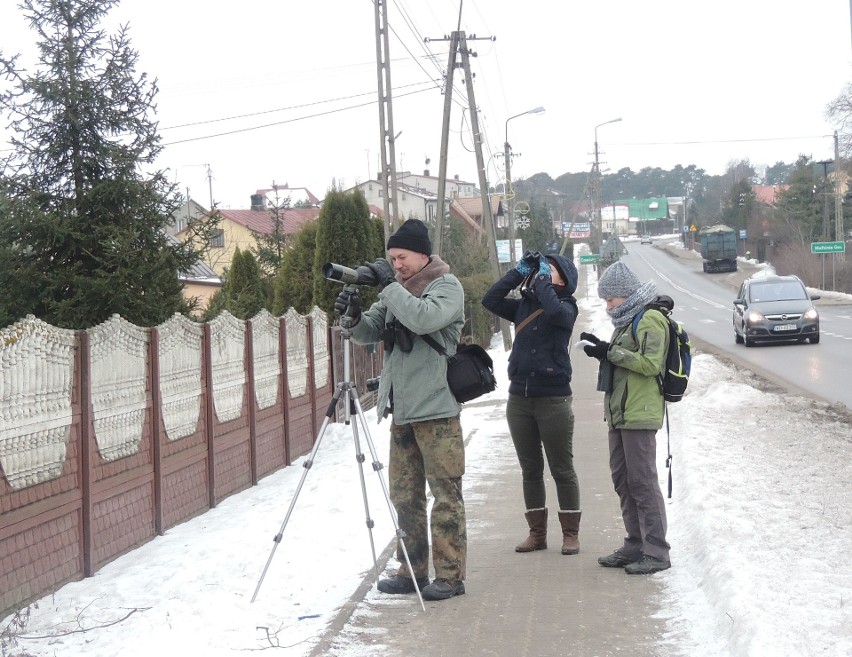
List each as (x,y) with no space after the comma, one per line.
(412,235)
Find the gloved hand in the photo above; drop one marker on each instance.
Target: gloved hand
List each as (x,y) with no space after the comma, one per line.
(382,271)
(543,267)
(348,304)
(591,337)
(527,263)
(597,350)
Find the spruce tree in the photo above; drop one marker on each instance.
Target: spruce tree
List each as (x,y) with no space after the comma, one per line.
(81,219)
(244,294)
(294,285)
(346,235)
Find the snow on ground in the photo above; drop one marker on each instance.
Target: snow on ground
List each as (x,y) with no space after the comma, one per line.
(761,523)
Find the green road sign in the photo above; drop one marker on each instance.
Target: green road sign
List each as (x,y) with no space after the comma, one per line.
(589,259)
(826,247)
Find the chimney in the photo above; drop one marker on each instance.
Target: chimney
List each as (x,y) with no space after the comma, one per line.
(425,172)
(456,177)
(258,202)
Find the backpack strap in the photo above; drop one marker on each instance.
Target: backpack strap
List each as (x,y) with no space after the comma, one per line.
(668,448)
(635,323)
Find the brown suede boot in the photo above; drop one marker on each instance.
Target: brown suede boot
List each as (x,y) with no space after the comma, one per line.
(537,540)
(570,521)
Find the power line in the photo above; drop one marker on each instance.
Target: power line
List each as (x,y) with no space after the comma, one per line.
(716,141)
(277,123)
(282,109)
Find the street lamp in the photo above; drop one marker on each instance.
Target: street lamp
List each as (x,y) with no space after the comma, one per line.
(507,157)
(596,201)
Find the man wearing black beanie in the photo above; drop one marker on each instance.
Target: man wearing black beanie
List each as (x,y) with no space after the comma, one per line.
(419,297)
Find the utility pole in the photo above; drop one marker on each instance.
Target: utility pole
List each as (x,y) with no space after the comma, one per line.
(596,191)
(210,184)
(458,42)
(387,176)
(508,192)
(445,137)
(825,222)
(838,200)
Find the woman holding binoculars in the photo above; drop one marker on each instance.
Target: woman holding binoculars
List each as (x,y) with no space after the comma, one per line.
(539,410)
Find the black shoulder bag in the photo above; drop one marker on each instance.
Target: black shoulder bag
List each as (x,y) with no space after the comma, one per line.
(470,372)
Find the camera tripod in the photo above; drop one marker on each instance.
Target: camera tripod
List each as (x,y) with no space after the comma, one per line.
(352,405)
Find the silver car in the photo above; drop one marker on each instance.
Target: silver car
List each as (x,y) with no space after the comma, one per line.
(775,308)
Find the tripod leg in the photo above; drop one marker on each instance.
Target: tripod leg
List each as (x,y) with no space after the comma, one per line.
(307,466)
(359,457)
(378,467)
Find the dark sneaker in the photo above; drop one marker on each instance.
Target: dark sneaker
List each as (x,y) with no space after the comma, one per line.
(401,584)
(441,589)
(647,565)
(618,559)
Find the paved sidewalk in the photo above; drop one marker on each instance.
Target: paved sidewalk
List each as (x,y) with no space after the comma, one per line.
(538,604)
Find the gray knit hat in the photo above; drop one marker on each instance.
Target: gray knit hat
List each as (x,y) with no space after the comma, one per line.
(617,281)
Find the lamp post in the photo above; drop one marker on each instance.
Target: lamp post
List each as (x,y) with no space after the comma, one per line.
(596,190)
(507,157)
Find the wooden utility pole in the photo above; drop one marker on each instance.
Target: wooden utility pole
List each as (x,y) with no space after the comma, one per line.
(387,176)
(458,44)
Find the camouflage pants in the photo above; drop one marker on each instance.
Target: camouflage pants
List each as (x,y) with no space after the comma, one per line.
(431,451)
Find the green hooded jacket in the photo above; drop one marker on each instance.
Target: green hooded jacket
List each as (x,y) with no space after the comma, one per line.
(634,399)
(419,377)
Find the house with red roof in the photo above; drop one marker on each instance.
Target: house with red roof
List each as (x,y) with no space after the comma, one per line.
(237,229)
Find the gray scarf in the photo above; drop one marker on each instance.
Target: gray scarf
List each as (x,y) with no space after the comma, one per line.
(623,314)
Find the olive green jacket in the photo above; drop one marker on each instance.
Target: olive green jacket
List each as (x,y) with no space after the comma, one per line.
(418,378)
(634,399)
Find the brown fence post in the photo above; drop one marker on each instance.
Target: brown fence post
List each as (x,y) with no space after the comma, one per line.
(156,433)
(312,384)
(86,451)
(285,386)
(207,360)
(250,390)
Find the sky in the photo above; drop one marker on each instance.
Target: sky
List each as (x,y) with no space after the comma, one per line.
(286,93)
(772,586)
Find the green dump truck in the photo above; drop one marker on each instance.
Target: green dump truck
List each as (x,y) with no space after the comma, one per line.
(719,248)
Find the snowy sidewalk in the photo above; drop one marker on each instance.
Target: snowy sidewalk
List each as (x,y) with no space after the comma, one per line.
(538,604)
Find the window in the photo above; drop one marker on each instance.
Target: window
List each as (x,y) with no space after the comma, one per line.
(217,239)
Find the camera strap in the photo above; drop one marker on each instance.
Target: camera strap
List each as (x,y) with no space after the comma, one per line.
(529,318)
(434,344)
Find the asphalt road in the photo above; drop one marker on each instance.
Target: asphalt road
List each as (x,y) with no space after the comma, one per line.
(704,304)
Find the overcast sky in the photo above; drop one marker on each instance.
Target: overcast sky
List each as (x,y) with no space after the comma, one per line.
(699,83)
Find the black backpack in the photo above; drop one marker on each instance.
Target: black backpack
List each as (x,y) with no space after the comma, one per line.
(675,376)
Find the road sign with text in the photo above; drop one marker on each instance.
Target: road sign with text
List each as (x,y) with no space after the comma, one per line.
(828,247)
(590,259)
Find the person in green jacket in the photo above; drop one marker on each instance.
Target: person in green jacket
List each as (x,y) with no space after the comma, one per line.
(634,410)
(419,296)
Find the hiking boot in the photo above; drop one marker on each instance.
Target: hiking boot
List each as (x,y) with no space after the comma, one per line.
(647,565)
(618,559)
(441,589)
(401,584)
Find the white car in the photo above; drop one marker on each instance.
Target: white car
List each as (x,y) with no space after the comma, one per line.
(646,239)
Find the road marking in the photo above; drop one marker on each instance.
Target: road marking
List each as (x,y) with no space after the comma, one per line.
(698,297)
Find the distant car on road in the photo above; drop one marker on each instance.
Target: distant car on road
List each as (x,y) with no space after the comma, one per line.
(775,308)
(646,239)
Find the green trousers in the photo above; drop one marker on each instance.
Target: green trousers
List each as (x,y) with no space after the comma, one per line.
(544,426)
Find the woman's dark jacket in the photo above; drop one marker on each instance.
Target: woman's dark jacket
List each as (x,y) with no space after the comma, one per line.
(540,363)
